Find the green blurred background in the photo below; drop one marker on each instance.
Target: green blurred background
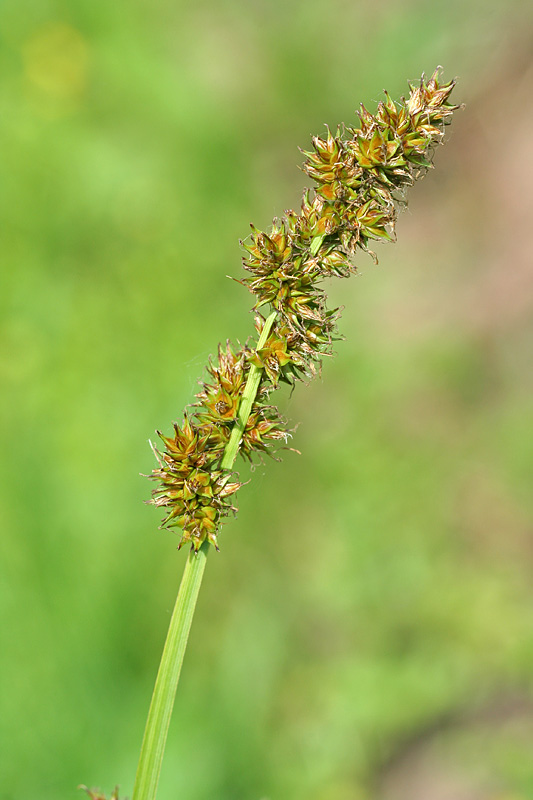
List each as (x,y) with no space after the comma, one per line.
(367,630)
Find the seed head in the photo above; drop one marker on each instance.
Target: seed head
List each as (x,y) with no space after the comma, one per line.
(361,175)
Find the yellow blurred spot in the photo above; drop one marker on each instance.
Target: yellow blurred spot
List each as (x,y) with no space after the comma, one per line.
(56,60)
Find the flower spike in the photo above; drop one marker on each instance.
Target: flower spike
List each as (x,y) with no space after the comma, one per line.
(360,175)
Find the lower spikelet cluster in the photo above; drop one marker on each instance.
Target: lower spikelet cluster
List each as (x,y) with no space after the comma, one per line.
(193,488)
(361,176)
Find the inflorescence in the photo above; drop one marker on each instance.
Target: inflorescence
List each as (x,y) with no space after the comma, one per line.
(361,175)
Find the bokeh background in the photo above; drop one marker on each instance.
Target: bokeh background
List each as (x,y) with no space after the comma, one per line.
(367,631)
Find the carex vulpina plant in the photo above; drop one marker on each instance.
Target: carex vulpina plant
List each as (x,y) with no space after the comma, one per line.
(361,175)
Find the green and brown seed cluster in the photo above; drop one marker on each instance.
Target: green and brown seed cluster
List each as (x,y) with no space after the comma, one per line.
(361,175)
(194,489)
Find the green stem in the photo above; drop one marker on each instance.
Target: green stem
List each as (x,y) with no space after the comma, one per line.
(160,712)
(155,734)
(248,397)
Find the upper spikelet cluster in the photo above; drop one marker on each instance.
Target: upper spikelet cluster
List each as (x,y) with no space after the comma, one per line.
(361,175)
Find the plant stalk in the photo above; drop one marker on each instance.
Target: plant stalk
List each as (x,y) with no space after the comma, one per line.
(160,712)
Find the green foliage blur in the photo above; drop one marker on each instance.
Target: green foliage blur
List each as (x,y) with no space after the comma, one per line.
(366,631)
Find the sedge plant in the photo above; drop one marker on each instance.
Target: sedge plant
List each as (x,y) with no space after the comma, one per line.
(361,175)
